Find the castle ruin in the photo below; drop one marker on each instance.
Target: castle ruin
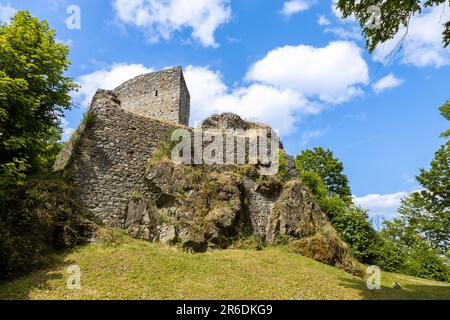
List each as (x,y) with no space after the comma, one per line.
(107,162)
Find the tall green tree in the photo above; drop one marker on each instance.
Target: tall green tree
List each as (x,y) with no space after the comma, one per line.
(34,93)
(426,214)
(328,168)
(395,14)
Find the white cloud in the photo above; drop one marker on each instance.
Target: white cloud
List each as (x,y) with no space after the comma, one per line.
(307,136)
(388,82)
(106,79)
(160,19)
(333,74)
(323,21)
(338,13)
(68,42)
(381,205)
(6,13)
(409,179)
(335,10)
(346,29)
(265,103)
(294,6)
(287,83)
(346,33)
(67,130)
(423,45)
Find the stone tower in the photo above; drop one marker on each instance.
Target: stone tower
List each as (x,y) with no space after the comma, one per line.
(161,95)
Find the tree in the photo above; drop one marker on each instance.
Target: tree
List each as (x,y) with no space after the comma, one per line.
(328,168)
(409,253)
(354,226)
(445,112)
(351,222)
(34,93)
(426,214)
(395,15)
(426,262)
(418,242)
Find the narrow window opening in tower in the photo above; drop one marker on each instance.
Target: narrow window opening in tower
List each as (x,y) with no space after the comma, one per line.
(156,93)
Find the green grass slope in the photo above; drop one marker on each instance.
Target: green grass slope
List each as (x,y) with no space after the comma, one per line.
(133,269)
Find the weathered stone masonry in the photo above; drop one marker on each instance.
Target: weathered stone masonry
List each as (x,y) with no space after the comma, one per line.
(109,160)
(107,157)
(159,95)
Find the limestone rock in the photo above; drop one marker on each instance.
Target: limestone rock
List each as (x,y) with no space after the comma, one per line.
(326,247)
(224,121)
(167,234)
(295,214)
(139,222)
(204,207)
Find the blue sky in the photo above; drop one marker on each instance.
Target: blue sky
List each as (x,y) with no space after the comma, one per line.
(293,64)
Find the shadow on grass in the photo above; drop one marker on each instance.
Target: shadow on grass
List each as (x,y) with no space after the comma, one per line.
(38,280)
(407,292)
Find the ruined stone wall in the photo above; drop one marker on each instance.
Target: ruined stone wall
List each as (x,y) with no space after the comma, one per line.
(109,158)
(160,95)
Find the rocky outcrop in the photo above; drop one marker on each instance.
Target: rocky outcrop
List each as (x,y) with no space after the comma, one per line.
(200,209)
(227,121)
(190,206)
(326,247)
(295,214)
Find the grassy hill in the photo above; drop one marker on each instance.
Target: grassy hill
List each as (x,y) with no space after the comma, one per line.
(124,268)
